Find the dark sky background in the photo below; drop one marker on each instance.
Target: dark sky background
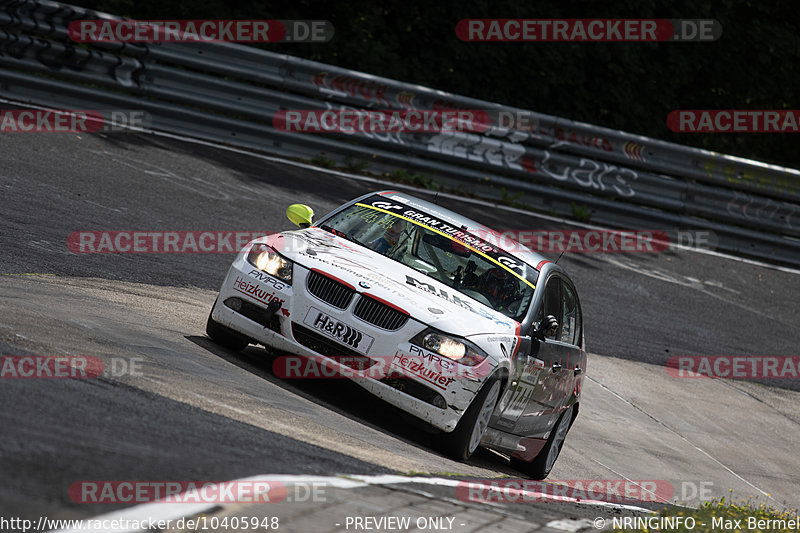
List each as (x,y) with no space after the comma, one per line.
(626,86)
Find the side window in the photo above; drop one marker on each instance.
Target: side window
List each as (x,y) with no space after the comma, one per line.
(570,320)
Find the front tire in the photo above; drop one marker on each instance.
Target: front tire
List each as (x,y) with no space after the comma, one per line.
(225,336)
(541,466)
(462,442)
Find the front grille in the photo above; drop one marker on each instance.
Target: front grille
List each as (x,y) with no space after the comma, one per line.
(379,314)
(322,344)
(329,290)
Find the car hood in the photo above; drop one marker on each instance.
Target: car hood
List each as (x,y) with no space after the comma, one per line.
(423,297)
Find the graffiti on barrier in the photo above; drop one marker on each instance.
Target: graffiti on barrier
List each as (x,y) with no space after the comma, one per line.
(592,175)
(343,86)
(478,148)
(765,209)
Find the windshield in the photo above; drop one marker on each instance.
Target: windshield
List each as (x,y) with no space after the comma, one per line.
(430,251)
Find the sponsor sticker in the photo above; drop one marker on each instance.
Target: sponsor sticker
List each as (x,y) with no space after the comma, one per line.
(255,291)
(457,236)
(344,333)
(434,369)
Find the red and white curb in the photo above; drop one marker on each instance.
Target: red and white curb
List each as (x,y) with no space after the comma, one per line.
(168,510)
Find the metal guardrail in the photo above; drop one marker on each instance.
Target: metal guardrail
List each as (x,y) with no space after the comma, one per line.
(230,93)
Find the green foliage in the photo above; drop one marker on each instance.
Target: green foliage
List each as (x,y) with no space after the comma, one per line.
(580,212)
(511,199)
(355,166)
(419,180)
(322,161)
(726,514)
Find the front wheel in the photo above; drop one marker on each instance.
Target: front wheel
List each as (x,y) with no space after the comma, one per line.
(225,336)
(540,467)
(462,442)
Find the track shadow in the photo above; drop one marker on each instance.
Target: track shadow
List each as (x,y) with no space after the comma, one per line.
(348,399)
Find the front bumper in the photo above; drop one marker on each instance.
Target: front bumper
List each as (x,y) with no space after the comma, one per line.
(295,329)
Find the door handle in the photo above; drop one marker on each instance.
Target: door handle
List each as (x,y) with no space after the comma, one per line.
(556,367)
(578,370)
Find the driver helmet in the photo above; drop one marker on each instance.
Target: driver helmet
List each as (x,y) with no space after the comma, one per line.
(494,283)
(392,233)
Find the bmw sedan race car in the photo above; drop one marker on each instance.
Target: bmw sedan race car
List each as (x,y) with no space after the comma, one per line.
(449,321)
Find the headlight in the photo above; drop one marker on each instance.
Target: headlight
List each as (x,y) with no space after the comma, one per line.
(265,258)
(460,350)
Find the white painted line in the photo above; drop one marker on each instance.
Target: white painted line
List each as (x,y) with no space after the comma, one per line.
(392,184)
(169,510)
(690,443)
(521,493)
(571,526)
(629,480)
(141,513)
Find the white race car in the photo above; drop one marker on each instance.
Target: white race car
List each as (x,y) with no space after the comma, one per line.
(434,313)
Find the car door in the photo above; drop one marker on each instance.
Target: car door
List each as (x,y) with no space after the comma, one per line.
(544,379)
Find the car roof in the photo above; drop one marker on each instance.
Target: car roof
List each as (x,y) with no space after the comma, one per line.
(503,242)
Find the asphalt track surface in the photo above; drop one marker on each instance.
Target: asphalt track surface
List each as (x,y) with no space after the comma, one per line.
(198,410)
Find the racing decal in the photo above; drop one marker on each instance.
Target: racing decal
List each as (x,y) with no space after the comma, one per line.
(515,402)
(253,290)
(460,235)
(441,293)
(266,278)
(534,367)
(517,340)
(380,204)
(443,216)
(507,341)
(452,298)
(433,358)
(521,394)
(320,242)
(513,264)
(378,280)
(340,331)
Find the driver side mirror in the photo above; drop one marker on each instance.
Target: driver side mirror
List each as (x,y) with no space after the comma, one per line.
(548,328)
(300,214)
